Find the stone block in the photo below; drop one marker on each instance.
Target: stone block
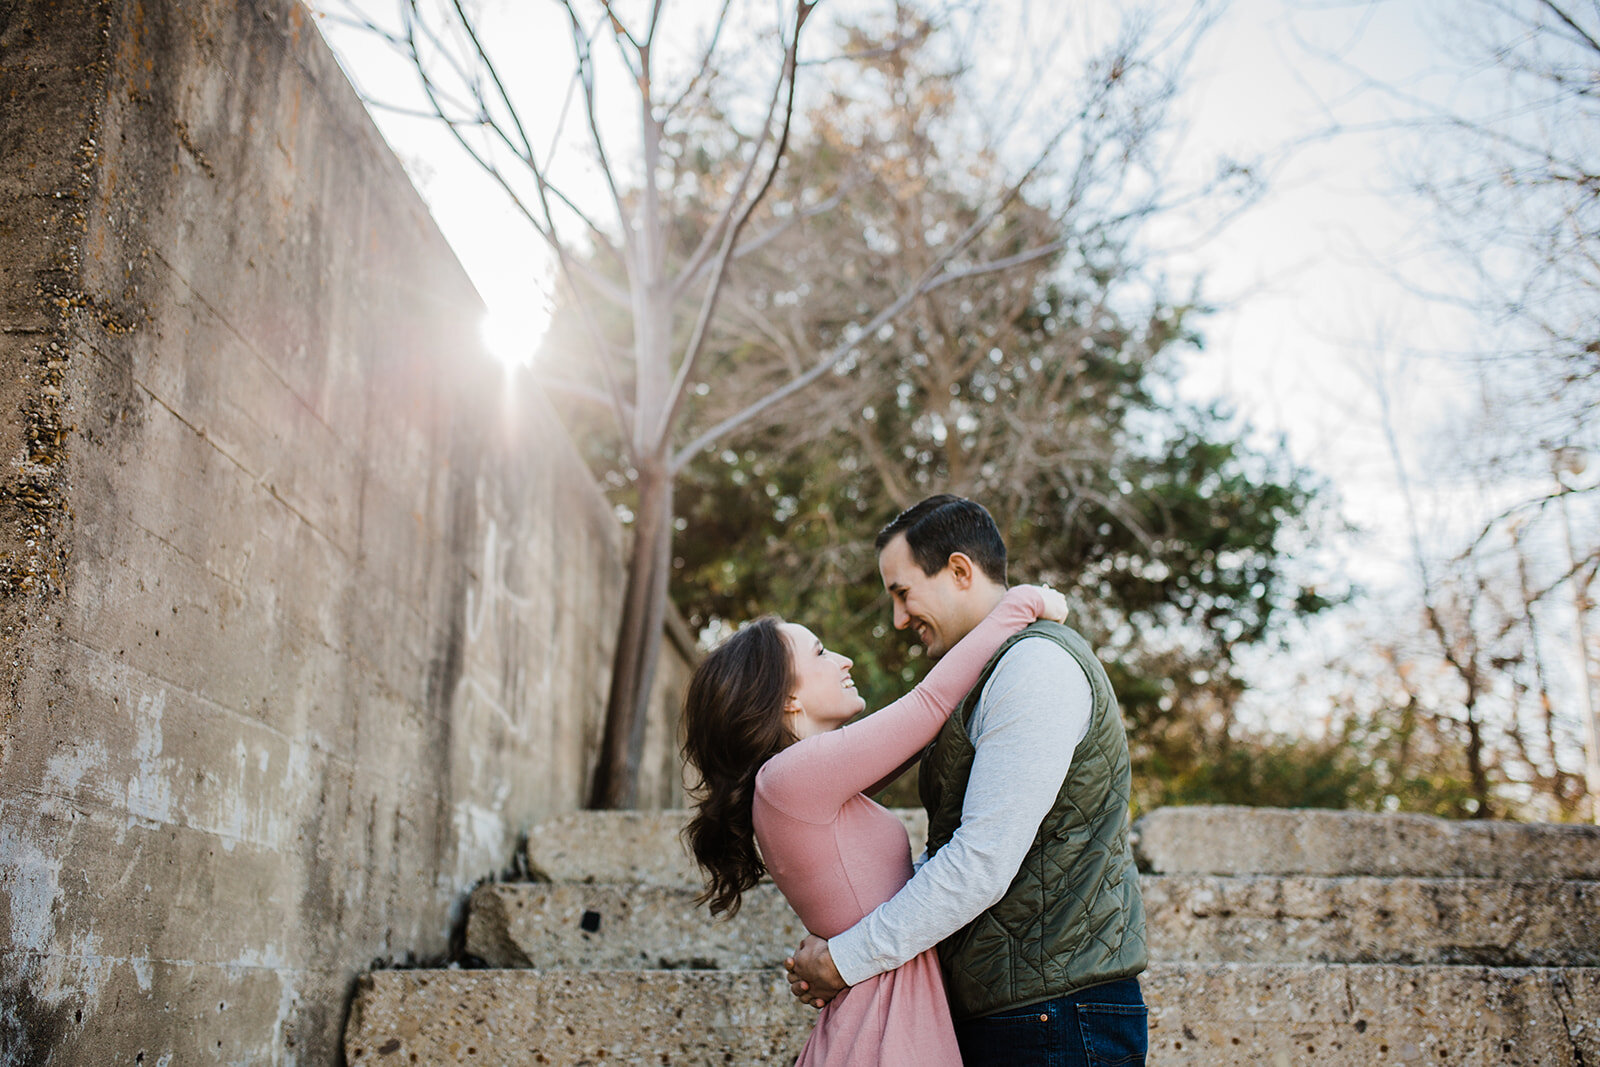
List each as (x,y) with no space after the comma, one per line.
(1189,919)
(1249,1015)
(642,847)
(612,927)
(1234,1015)
(493,1018)
(1372,920)
(634,846)
(1232,840)
(250,1012)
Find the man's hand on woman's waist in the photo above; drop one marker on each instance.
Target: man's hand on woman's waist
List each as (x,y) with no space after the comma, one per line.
(812,976)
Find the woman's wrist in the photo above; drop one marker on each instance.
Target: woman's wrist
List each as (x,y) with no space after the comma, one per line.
(1030,597)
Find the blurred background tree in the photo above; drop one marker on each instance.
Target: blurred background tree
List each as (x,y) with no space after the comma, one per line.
(852,360)
(1480,674)
(665,204)
(1046,392)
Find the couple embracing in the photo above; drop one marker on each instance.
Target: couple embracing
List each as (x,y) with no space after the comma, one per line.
(1018,936)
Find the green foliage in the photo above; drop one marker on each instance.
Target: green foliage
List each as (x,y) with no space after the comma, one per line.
(1046,391)
(1168,596)
(1392,760)
(1268,771)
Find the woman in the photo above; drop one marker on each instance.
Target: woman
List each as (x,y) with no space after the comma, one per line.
(762,720)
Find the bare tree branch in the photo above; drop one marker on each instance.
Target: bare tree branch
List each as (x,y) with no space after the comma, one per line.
(691,356)
(586,74)
(687,279)
(933,278)
(1582,33)
(702,70)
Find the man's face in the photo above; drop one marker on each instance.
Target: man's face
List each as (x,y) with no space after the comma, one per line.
(930,604)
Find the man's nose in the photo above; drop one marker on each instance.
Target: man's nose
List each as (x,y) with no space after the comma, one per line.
(901,617)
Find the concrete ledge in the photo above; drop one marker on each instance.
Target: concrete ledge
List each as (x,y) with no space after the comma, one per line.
(1200,918)
(642,847)
(1238,1015)
(604,927)
(1239,840)
(494,1018)
(1245,1015)
(1190,918)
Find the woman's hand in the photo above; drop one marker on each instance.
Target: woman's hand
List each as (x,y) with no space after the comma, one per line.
(1055,605)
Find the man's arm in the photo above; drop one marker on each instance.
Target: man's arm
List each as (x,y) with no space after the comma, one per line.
(894,775)
(811,780)
(1034,710)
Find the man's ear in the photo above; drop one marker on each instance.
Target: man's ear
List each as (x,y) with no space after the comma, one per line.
(961,569)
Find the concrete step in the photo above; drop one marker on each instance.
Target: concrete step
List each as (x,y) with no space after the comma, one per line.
(1229,840)
(612,927)
(1189,919)
(1233,1015)
(1298,919)
(1355,1015)
(493,1018)
(642,847)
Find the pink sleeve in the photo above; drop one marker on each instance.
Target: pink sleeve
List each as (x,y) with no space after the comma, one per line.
(811,780)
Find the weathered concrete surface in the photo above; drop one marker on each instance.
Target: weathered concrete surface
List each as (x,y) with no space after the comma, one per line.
(588,1017)
(1239,840)
(644,847)
(1207,840)
(1246,969)
(1246,1015)
(1372,920)
(614,927)
(306,607)
(1190,918)
(1232,1014)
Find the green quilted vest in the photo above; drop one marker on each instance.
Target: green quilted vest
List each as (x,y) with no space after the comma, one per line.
(1073,916)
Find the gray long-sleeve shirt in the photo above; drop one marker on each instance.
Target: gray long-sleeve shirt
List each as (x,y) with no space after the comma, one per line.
(1032,713)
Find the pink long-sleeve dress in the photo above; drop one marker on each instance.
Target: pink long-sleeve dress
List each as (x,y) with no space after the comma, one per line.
(836,855)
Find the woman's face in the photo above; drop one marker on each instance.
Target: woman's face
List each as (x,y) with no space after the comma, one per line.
(824,697)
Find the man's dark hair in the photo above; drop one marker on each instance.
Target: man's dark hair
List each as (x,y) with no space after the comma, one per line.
(948,523)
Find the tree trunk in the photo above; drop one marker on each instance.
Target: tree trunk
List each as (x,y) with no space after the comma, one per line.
(1475,768)
(633,669)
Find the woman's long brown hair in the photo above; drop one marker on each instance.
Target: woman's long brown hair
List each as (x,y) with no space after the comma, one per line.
(733,723)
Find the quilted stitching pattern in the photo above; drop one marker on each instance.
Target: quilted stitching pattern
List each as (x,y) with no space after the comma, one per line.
(1073,915)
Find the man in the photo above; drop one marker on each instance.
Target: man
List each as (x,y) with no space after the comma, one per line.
(1028,886)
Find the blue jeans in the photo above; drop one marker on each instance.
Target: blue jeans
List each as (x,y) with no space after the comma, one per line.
(1101,1026)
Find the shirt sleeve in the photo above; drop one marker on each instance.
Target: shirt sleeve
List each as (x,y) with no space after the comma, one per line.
(812,779)
(1033,712)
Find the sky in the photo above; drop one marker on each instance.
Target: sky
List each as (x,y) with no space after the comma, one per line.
(1312,285)
(1299,279)
(1310,311)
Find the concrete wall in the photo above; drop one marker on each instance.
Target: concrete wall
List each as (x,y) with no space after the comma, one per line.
(306,610)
